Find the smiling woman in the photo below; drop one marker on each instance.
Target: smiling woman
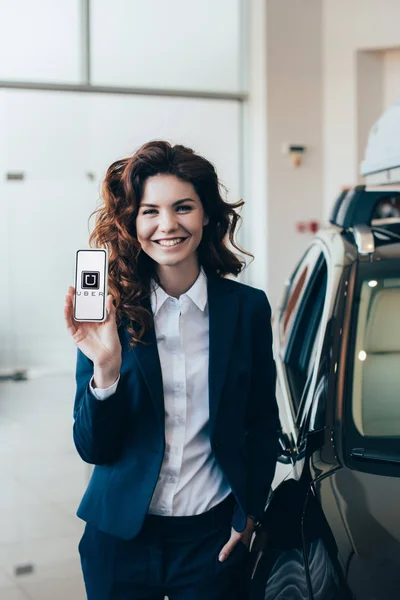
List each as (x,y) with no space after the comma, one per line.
(163,216)
(176,406)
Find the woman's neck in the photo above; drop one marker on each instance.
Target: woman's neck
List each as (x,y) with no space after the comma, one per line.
(176,281)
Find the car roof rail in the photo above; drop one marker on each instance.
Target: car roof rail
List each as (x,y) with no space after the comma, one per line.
(357,206)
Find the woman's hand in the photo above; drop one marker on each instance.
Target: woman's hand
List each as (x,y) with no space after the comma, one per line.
(98,341)
(243,537)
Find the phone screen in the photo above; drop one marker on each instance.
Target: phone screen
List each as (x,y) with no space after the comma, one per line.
(91,274)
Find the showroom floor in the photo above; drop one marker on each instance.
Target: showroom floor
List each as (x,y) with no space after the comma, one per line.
(41,481)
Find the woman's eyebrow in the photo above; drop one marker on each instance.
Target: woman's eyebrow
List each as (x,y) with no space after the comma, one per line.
(174,204)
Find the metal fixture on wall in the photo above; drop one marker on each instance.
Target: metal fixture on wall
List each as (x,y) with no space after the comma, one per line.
(295,152)
(15,176)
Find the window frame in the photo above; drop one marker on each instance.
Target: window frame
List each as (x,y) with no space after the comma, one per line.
(314,259)
(308,261)
(303,339)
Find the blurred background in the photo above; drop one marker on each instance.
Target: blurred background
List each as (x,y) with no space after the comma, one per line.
(279,94)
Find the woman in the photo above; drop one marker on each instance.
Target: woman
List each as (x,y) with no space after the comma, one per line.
(175,400)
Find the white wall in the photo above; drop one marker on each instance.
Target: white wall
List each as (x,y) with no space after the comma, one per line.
(391,77)
(348,27)
(328,78)
(294,113)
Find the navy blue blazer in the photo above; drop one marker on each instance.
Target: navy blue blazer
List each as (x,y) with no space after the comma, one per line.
(124,434)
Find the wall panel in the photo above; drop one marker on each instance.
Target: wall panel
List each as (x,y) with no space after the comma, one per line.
(40,40)
(175,44)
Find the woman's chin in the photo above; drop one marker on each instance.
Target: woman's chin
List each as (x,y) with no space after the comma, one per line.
(174,259)
(170,261)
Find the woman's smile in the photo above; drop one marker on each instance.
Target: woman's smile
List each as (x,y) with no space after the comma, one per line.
(171,242)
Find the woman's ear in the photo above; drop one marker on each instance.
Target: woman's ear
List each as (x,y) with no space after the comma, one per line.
(205,220)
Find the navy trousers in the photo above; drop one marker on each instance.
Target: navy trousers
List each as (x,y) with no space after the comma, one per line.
(171,556)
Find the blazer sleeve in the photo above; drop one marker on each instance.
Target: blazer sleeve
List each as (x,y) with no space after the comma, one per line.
(98,429)
(263,417)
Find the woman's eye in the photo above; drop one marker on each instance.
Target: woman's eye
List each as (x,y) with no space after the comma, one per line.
(152,211)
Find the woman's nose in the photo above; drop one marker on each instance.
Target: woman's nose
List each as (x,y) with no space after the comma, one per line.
(168,221)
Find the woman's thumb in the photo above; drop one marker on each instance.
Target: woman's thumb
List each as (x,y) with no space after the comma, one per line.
(110,306)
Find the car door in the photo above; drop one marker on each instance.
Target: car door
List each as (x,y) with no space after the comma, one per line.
(281,566)
(320,553)
(359,499)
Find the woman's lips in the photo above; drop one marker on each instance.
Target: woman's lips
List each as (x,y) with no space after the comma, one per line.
(171,243)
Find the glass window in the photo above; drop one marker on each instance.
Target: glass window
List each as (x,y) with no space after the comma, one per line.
(376,381)
(40,40)
(169,45)
(301,348)
(387,208)
(294,296)
(294,293)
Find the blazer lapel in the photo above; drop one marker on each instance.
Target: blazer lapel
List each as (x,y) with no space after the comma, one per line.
(223,305)
(147,357)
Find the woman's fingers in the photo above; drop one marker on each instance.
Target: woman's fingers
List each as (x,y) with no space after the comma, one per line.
(68,309)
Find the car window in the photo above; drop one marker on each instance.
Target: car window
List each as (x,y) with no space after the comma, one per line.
(376,376)
(294,294)
(302,344)
(313,353)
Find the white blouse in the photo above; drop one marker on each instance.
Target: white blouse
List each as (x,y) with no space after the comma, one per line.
(190,481)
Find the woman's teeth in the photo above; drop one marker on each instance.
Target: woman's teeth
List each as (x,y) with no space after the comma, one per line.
(170,242)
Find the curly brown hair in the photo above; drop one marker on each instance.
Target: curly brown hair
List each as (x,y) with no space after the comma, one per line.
(130,270)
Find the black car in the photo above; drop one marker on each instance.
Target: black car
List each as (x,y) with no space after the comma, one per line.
(332,525)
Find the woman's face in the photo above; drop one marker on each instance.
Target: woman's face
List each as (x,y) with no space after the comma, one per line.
(170,221)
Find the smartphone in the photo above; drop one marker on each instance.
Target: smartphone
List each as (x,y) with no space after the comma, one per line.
(91,277)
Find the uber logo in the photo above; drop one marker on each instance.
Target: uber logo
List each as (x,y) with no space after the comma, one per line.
(90,280)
